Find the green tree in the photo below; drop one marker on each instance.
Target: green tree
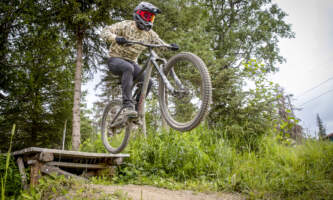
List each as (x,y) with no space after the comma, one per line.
(176,24)
(247,29)
(226,34)
(242,30)
(10,12)
(37,76)
(81,18)
(321,128)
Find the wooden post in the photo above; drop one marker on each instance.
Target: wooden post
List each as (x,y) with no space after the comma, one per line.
(22,173)
(35,172)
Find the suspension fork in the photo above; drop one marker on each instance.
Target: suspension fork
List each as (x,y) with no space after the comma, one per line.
(166,81)
(177,80)
(152,60)
(163,76)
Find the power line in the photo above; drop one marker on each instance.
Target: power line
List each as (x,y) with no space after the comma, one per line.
(331,90)
(320,84)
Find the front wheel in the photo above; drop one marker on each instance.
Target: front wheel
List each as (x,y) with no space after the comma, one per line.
(115,132)
(184,109)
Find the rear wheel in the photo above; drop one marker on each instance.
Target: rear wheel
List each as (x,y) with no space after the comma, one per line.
(185,109)
(115,136)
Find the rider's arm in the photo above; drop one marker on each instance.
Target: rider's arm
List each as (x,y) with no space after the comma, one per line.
(110,33)
(155,39)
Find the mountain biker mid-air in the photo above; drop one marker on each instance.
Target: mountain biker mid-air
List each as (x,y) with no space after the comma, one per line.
(123,58)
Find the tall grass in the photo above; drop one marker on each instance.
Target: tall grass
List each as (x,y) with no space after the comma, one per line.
(202,159)
(4,179)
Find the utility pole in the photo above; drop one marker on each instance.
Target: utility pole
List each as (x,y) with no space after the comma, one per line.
(282,108)
(297,129)
(290,105)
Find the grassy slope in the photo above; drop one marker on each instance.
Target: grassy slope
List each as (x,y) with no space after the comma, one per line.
(203,161)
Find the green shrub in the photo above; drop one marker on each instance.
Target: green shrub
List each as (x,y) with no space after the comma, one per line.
(13,182)
(93,145)
(281,172)
(203,160)
(9,173)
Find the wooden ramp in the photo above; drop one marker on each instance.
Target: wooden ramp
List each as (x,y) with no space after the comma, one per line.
(61,162)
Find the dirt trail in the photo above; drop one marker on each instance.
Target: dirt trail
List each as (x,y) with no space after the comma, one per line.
(137,192)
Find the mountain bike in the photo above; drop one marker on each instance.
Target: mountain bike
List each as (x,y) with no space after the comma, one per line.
(184,90)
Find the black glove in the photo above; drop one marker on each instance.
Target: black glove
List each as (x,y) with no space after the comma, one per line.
(174,47)
(121,40)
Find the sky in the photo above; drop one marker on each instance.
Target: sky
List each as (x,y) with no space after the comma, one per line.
(308,70)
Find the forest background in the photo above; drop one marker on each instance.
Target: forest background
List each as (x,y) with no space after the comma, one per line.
(46,44)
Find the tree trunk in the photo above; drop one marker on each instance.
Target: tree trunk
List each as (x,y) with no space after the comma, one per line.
(77,95)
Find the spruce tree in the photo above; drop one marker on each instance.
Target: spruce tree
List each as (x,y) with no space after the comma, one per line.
(321,128)
(36,76)
(81,18)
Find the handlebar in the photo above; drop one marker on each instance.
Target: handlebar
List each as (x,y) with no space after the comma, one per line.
(149,45)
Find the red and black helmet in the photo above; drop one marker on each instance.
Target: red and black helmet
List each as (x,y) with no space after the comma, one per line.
(144,15)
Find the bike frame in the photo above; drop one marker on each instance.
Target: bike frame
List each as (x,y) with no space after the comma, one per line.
(152,61)
(153,58)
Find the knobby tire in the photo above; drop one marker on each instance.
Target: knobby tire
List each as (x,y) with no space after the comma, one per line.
(105,140)
(206,92)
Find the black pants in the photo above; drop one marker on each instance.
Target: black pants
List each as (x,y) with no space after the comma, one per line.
(128,71)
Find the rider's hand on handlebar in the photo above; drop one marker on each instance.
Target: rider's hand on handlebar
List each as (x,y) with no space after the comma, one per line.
(121,40)
(174,47)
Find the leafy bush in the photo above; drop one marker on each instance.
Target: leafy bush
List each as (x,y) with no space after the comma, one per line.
(203,160)
(93,145)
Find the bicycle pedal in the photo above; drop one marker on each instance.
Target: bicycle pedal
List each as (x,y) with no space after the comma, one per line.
(137,122)
(118,124)
(133,117)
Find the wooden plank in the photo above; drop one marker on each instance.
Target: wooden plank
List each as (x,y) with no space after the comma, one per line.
(22,173)
(65,153)
(51,170)
(76,165)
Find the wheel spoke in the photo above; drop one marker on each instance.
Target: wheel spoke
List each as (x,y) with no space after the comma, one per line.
(184,107)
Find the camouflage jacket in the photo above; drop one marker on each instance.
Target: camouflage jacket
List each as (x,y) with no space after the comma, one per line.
(129,31)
